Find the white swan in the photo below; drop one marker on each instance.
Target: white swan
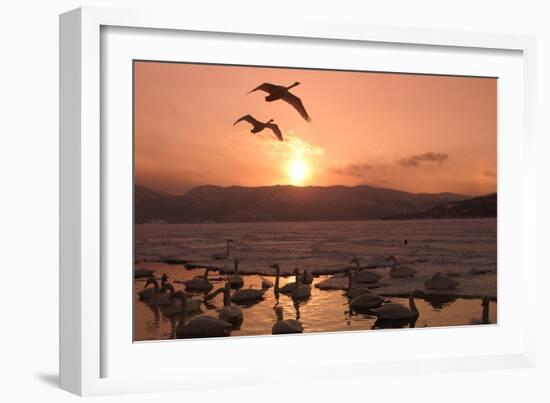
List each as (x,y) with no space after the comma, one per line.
(230,313)
(200,326)
(398,312)
(140,272)
(287,326)
(192,306)
(306,277)
(199,284)
(440,282)
(400,271)
(235,279)
(364,276)
(147,294)
(226,254)
(300,291)
(484,314)
(353,291)
(266,283)
(289,287)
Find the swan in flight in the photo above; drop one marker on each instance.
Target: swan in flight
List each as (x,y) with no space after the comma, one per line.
(199,284)
(200,326)
(226,254)
(364,276)
(283,93)
(398,312)
(440,282)
(400,271)
(258,126)
(287,326)
(485,313)
(235,279)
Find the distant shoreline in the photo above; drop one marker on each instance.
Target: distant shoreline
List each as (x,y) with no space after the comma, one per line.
(315,221)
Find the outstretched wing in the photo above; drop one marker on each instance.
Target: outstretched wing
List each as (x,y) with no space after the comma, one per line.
(297,104)
(247,118)
(266,87)
(276,130)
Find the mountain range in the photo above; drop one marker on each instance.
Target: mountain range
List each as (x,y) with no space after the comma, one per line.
(283,203)
(477,207)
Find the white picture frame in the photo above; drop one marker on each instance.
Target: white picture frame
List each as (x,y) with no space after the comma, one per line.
(86,310)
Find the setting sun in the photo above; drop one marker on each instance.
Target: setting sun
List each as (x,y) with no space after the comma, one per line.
(297,171)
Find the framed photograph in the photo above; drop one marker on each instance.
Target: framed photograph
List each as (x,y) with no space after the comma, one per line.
(234,189)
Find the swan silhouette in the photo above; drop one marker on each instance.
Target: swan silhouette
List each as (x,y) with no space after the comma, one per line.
(229,313)
(235,279)
(147,294)
(364,276)
(287,326)
(300,291)
(352,290)
(398,312)
(287,288)
(400,271)
(440,282)
(258,126)
(200,326)
(199,284)
(484,314)
(307,277)
(226,254)
(283,93)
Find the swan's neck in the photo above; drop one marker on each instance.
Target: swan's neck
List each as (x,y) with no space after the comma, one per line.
(206,274)
(412,305)
(228,251)
(357,265)
(276,288)
(485,316)
(236,266)
(350,281)
(279,315)
(183,314)
(292,86)
(226,297)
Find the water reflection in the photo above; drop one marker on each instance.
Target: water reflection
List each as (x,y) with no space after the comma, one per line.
(323,311)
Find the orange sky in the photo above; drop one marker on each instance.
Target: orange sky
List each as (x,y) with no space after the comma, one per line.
(408,132)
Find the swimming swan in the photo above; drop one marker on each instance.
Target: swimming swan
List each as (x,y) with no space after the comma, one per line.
(199,284)
(235,279)
(364,276)
(398,312)
(226,254)
(200,326)
(287,326)
(400,271)
(440,282)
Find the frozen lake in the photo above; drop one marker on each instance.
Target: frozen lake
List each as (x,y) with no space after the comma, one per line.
(447,246)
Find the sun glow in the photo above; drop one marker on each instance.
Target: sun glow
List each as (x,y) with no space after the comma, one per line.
(297,171)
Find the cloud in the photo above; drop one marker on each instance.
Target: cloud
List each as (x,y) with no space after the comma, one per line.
(418,160)
(354,169)
(292,146)
(490,174)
